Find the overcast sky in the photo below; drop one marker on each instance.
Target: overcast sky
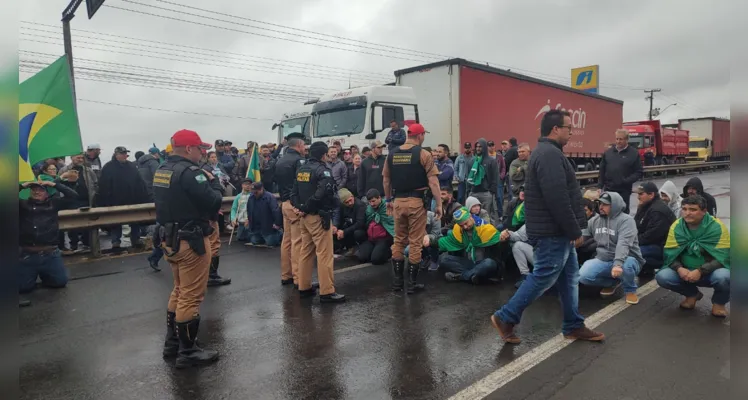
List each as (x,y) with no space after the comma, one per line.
(638,44)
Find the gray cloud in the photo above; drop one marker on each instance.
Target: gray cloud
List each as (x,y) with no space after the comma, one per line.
(677,45)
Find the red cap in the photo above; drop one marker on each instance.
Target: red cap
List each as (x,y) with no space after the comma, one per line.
(416,129)
(187,137)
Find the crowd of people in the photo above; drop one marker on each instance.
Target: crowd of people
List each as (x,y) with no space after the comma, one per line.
(516,208)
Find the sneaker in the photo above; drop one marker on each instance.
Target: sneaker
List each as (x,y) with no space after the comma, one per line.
(433,266)
(632,298)
(452,277)
(84,249)
(506,331)
(689,303)
(609,291)
(585,333)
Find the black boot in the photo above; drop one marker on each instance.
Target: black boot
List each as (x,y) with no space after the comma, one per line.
(214,279)
(171,344)
(398,267)
(190,354)
(413,277)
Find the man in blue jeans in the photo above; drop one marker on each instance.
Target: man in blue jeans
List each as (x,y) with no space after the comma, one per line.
(554,218)
(618,259)
(38,233)
(264,218)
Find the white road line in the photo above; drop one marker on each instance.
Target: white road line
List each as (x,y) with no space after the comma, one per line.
(509,372)
(353,268)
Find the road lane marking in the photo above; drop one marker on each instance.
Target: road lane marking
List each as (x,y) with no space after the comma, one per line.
(497,379)
(353,268)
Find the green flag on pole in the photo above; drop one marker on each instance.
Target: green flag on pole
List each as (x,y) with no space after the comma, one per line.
(47,120)
(253,169)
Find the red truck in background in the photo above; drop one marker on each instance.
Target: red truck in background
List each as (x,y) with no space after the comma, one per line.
(461,101)
(658,145)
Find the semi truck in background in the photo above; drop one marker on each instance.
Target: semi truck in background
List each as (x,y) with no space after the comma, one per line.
(297,120)
(657,144)
(459,101)
(709,140)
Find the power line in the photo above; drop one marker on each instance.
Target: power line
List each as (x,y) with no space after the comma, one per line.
(389,48)
(326,69)
(192,59)
(175,111)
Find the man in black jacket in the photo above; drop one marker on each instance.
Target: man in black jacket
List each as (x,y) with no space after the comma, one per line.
(554,219)
(285,176)
(694,187)
(653,219)
(511,154)
(121,185)
(349,224)
(371,170)
(38,236)
(620,168)
(484,189)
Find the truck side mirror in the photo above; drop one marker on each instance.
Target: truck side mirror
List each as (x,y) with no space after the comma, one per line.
(274,126)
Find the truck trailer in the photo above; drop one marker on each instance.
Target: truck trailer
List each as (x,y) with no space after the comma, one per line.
(657,144)
(461,101)
(709,140)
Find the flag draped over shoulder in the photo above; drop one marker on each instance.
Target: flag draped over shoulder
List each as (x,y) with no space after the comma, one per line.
(47,120)
(253,167)
(711,236)
(458,240)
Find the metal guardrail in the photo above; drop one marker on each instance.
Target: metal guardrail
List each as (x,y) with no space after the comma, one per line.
(146,213)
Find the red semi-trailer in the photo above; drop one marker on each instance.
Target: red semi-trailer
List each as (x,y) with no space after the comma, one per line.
(461,101)
(658,145)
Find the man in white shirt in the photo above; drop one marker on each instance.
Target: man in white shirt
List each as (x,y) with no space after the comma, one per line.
(239,211)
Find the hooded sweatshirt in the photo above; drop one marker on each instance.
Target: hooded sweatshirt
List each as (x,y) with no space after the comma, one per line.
(711,204)
(615,234)
(668,188)
(482,214)
(491,179)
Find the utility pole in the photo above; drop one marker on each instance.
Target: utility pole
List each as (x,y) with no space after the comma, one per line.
(651,100)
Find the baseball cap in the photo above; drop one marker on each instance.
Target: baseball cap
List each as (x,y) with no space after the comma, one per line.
(490,143)
(647,187)
(376,143)
(121,149)
(94,146)
(154,150)
(468,145)
(416,129)
(186,137)
(227,143)
(256,185)
(605,198)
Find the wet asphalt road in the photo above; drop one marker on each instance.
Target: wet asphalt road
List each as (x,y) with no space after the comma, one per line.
(101,337)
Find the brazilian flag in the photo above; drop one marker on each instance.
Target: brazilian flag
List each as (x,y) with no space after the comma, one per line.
(253,168)
(47,120)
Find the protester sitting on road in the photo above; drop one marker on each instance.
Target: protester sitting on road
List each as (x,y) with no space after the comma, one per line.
(121,185)
(265,218)
(239,216)
(669,194)
(430,255)
(349,225)
(514,215)
(653,219)
(522,251)
(695,187)
(38,235)
(587,249)
(618,259)
(380,231)
(449,205)
(474,206)
(472,243)
(697,254)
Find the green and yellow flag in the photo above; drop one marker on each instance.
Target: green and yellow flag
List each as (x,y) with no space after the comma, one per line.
(253,168)
(47,120)
(711,236)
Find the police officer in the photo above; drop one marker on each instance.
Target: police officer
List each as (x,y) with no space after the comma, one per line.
(186,197)
(409,171)
(285,176)
(314,195)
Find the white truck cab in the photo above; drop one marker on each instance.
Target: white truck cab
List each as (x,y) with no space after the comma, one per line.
(361,115)
(298,120)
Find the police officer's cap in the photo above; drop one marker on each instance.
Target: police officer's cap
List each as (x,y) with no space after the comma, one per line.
(295,135)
